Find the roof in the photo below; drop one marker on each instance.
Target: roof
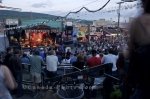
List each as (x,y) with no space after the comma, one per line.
(110,30)
(53,24)
(40,27)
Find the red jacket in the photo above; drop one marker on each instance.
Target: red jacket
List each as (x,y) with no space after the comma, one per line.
(94,61)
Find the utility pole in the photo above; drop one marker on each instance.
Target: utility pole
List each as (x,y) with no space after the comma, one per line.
(119,14)
(122,1)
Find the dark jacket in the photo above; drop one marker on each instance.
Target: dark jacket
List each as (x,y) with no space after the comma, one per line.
(6,60)
(15,65)
(139,52)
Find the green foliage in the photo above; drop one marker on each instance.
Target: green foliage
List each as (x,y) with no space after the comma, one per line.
(24,15)
(116,94)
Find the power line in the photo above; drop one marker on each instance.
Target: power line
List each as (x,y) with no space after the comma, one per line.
(84,5)
(70,13)
(124,7)
(80,6)
(88,9)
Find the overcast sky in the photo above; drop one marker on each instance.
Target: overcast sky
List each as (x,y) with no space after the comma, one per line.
(61,7)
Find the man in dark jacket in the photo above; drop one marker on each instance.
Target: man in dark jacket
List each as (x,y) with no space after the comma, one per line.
(16,68)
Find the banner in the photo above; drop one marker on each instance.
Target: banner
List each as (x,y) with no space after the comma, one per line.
(81,34)
(82,31)
(12,22)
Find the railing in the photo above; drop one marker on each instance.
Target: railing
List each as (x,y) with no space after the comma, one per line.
(68,78)
(97,71)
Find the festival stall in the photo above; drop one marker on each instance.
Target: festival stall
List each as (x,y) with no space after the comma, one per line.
(82,34)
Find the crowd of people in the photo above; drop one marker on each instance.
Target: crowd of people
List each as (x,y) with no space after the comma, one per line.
(130,64)
(89,55)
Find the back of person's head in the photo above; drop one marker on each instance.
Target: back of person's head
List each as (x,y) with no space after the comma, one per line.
(80,58)
(101,55)
(111,51)
(16,51)
(9,49)
(49,49)
(36,52)
(24,55)
(94,52)
(146,5)
(105,51)
(51,52)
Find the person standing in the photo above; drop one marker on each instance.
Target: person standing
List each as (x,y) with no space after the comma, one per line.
(52,63)
(36,62)
(110,58)
(73,58)
(94,61)
(80,63)
(25,59)
(139,46)
(16,69)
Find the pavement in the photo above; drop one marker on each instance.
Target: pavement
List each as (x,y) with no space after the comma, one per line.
(44,94)
(47,95)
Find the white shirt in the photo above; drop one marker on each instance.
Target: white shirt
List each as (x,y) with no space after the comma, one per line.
(52,62)
(110,58)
